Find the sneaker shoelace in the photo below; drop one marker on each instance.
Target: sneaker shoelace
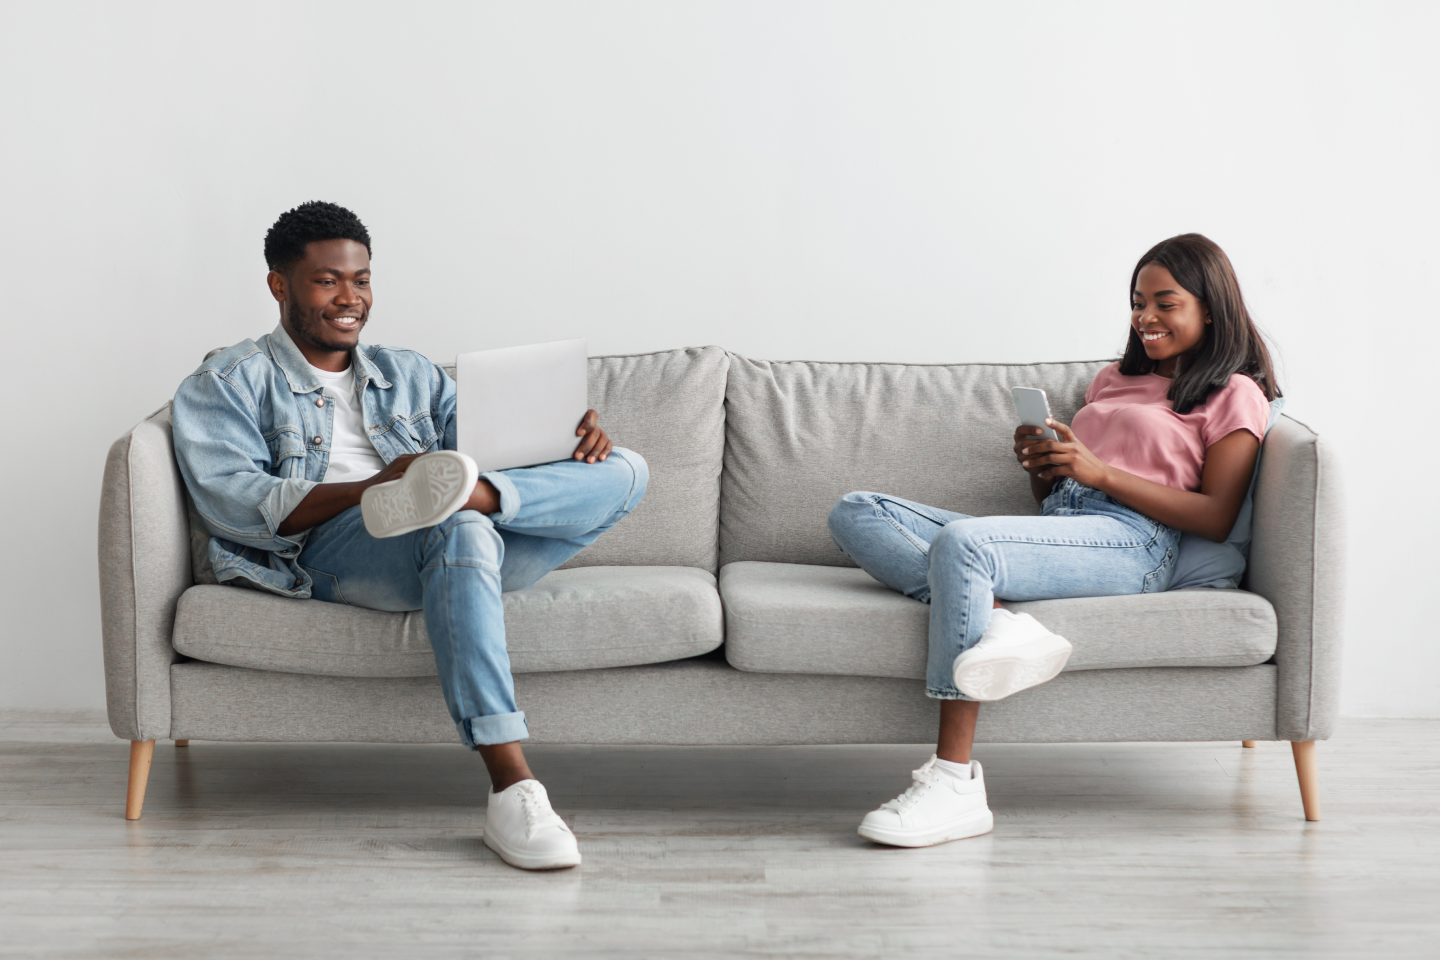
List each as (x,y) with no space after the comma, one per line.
(923,779)
(536,806)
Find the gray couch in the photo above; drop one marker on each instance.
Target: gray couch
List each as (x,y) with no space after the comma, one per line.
(720,611)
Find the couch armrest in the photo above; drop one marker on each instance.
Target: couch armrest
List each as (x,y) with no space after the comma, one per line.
(144,567)
(1297,562)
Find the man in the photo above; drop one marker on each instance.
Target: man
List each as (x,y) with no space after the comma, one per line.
(277,440)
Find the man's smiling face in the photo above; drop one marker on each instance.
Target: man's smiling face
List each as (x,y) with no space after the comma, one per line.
(325,298)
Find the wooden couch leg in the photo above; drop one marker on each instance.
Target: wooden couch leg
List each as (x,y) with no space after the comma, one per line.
(186,743)
(1309,775)
(1243,743)
(141,752)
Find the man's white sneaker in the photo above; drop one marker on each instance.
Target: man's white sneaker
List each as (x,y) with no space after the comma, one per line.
(937,807)
(521,826)
(434,486)
(1015,653)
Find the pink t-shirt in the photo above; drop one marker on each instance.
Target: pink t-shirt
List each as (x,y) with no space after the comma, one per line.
(1129,423)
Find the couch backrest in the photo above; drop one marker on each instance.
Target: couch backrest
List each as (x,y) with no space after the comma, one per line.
(799,435)
(670,408)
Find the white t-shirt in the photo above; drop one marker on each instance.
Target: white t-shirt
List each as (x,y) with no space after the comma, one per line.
(352,455)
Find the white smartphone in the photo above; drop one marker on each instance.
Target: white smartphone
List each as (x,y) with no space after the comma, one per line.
(1033,408)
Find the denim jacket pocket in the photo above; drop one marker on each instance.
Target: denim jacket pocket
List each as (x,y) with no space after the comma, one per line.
(287,454)
(422,432)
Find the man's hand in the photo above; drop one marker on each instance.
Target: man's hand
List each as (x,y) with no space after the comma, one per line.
(332,499)
(1066,457)
(484,498)
(595,444)
(394,470)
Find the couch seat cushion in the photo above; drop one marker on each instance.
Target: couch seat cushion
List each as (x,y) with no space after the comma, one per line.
(801,618)
(578,619)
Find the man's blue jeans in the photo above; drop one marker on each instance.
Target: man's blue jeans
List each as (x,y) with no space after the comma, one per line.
(456,571)
(1085,544)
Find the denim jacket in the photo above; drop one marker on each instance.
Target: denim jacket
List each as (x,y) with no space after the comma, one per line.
(251,442)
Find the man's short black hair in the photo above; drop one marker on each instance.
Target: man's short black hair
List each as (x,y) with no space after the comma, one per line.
(308,223)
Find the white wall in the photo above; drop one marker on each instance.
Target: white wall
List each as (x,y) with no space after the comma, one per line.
(896,181)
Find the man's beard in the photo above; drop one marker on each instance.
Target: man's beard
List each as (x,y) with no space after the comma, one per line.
(310,327)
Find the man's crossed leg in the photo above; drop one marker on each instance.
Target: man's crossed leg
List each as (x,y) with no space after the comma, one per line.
(456,572)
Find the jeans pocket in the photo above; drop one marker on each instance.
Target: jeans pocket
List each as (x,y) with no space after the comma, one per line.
(1158,580)
(325,587)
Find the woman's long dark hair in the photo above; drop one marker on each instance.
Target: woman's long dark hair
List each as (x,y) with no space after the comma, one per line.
(1231,344)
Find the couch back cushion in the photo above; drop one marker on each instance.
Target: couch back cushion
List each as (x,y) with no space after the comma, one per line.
(670,408)
(799,435)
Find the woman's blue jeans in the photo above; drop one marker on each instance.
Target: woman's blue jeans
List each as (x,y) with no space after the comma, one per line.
(1084,544)
(456,571)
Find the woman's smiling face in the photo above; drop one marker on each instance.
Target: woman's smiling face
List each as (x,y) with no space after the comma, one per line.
(1169,319)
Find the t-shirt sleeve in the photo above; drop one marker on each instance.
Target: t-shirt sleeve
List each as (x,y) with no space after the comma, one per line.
(1105,375)
(1241,405)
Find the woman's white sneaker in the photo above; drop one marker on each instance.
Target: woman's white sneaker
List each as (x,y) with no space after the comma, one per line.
(521,826)
(937,807)
(433,488)
(1015,653)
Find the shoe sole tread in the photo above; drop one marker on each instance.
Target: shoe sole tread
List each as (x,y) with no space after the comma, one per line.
(995,678)
(392,509)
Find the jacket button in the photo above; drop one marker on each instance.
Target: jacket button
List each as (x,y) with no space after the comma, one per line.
(318,441)
(320,402)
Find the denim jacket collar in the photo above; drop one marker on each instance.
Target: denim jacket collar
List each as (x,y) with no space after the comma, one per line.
(297,369)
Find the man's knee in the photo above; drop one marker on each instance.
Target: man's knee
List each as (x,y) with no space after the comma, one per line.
(468,535)
(639,476)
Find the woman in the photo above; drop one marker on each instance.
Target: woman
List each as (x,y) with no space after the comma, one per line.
(1165,444)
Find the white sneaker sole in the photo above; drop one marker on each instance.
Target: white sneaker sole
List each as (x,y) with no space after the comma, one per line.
(1019,668)
(434,487)
(971,825)
(527,860)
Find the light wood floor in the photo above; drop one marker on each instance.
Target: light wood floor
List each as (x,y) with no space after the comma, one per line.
(344,850)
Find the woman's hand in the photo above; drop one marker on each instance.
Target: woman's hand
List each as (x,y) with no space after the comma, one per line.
(1066,457)
(594,445)
(1025,437)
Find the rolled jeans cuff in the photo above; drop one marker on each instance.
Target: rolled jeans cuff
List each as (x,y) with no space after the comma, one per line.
(488,731)
(944,693)
(509,501)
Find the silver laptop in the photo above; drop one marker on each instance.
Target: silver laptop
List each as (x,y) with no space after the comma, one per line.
(519,406)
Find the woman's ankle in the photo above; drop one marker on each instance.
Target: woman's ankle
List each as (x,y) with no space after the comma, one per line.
(957,730)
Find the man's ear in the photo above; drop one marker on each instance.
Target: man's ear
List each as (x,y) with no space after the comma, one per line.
(276,281)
